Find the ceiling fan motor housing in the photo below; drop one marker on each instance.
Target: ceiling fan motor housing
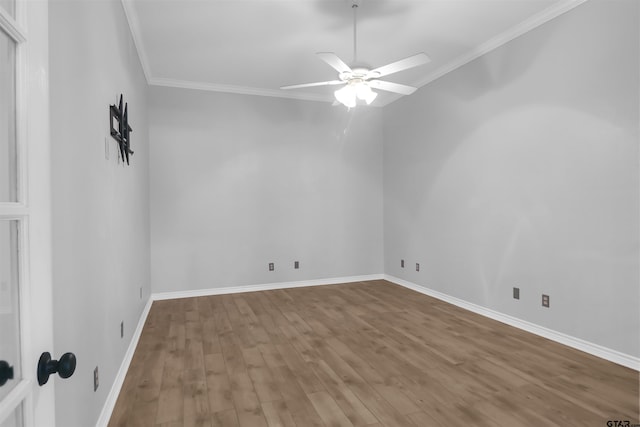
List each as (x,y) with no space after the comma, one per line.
(358,72)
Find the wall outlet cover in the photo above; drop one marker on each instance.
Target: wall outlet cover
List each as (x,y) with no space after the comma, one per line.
(417,267)
(296,264)
(271,266)
(402,263)
(516,293)
(545,300)
(95,379)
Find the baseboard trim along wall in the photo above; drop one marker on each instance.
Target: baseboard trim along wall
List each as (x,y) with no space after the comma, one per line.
(264,287)
(112,397)
(577,343)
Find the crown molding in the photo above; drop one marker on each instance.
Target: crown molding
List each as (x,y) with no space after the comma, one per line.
(134,29)
(501,39)
(486,47)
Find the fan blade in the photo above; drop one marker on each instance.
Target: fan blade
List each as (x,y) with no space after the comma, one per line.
(403,64)
(329,83)
(392,87)
(335,62)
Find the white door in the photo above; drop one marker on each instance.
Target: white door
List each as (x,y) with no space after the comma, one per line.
(25,232)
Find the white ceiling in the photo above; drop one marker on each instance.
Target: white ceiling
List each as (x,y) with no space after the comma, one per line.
(256,46)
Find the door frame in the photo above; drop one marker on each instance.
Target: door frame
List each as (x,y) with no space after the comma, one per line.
(32,209)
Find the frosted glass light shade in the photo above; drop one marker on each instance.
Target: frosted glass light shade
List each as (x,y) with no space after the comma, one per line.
(365,93)
(346,96)
(352,91)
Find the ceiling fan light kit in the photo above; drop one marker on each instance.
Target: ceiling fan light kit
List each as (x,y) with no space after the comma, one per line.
(359,80)
(355,89)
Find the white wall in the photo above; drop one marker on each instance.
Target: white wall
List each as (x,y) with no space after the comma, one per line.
(240,181)
(100,208)
(521,169)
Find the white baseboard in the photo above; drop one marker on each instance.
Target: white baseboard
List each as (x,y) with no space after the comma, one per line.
(577,343)
(112,397)
(263,287)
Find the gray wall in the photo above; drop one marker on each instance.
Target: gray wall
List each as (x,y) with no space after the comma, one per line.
(521,169)
(240,181)
(100,208)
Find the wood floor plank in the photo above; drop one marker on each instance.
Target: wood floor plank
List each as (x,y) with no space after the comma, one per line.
(196,421)
(150,380)
(352,407)
(196,399)
(303,412)
(396,398)
(170,405)
(305,377)
(328,409)
(210,341)
(246,401)
(218,386)
(421,419)
(271,356)
(263,382)
(227,418)
(380,408)
(361,354)
(277,414)
(220,317)
(142,416)
(232,353)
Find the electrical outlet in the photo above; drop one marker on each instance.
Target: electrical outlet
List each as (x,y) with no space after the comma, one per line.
(296,264)
(271,266)
(516,293)
(95,379)
(140,292)
(402,263)
(122,329)
(545,300)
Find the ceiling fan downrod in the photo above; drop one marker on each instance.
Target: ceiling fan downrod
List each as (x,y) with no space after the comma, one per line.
(354,6)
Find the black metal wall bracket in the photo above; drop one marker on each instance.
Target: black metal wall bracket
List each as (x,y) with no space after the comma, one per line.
(120,129)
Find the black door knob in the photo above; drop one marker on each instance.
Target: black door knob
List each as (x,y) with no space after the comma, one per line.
(6,372)
(65,367)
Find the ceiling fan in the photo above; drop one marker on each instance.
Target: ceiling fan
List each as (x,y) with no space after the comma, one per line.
(359,79)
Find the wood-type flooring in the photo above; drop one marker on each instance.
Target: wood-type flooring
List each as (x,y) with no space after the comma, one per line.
(358,354)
